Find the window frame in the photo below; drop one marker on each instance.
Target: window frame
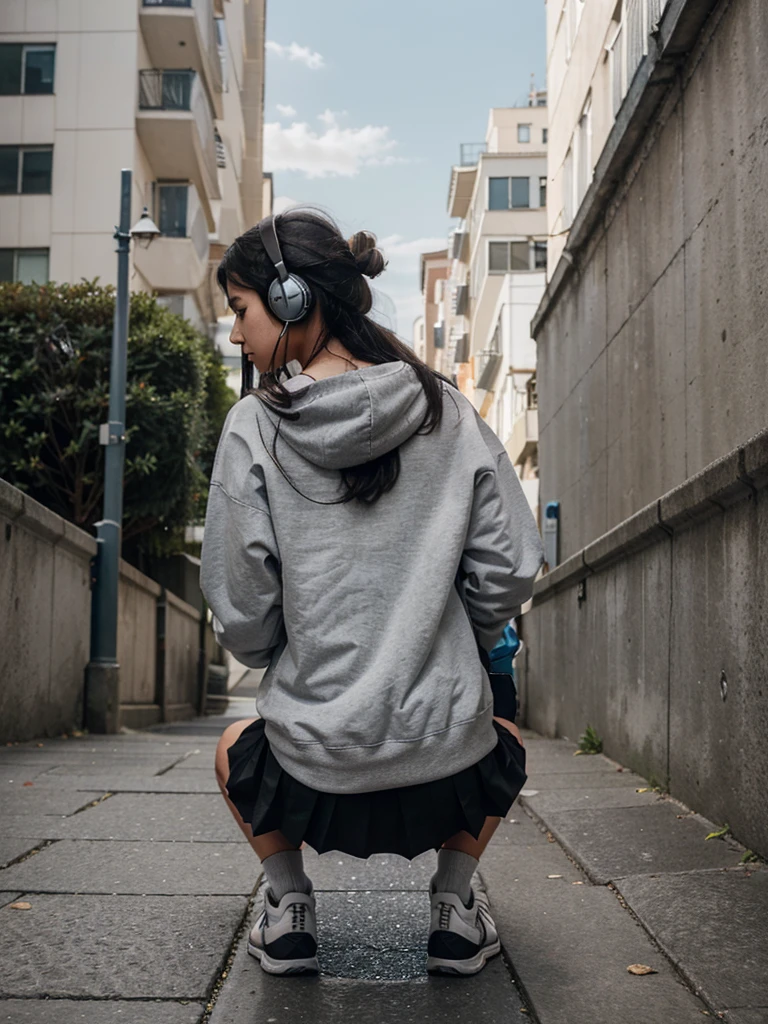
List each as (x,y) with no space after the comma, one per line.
(526,127)
(21,152)
(530,241)
(37,48)
(27,251)
(519,206)
(156,206)
(542,191)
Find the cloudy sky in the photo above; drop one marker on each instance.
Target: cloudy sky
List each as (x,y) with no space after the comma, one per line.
(367,103)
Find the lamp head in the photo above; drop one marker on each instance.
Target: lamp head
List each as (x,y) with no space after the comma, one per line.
(145,229)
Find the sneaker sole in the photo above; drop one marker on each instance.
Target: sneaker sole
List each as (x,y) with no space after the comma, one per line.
(307,966)
(437,965)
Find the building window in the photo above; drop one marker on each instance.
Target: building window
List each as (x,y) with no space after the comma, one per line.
(531,396)
(545,135)
(25,265)
(25,170)
(521,198)
(509,193)
(523,133)
(520,255)
(542,191)
(171,206)
(573,12)
(498,193)
(568,201)
(26,69)
(540,255)
(584,152)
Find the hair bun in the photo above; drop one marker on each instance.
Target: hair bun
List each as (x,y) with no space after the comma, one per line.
(369,260)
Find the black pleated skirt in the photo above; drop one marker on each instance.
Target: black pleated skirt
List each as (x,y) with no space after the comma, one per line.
(406,820)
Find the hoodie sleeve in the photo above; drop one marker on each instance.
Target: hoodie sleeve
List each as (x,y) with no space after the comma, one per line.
(503,551)
(241,579)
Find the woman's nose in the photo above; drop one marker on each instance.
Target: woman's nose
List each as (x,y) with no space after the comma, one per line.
(234,335)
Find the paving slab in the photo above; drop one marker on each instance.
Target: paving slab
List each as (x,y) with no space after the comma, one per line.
(582,799)
(175,781)
(382,871)
(181,817)
(73,1011)
(9,897)
(249,994)
(753,1015)
(81,866)
(570,944)
(28,800)
(581,780)
(615,842)
(97,768)
(11,848)
(13,775)
(517,829)
(714,928)
(117,947)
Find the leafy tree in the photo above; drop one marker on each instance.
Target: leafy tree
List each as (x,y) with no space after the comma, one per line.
(55,343)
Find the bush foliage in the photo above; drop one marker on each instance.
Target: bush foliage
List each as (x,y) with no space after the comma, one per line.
(55,345)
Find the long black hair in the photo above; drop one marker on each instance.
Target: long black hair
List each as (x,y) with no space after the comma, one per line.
(334,267)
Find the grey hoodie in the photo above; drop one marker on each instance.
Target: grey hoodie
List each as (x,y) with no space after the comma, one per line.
(373,678)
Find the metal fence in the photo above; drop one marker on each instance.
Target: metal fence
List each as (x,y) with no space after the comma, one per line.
(165,90)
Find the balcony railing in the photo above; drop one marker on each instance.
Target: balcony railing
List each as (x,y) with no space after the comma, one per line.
(167,3)
(166,90)
(630,44)
(469,153)
(181,90)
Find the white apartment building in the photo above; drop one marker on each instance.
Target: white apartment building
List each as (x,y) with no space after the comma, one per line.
(170,88)
(593,52)
(498,251)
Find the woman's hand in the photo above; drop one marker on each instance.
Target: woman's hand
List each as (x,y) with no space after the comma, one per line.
(512,728)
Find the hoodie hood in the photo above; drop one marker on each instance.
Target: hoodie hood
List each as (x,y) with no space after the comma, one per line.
(355,416)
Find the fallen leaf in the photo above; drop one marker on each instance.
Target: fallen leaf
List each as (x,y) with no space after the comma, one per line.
(554,876)
(643,790)
(550,837)
(76,732)
(577,883)
(29,783)
(40,744)
(719,833)
(21,906)
(641,969)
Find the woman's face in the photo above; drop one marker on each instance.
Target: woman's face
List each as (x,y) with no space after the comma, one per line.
(255,329)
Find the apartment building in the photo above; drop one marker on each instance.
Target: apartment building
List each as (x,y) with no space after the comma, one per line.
(170,88)
(434,269)
(652,376)
(498,255)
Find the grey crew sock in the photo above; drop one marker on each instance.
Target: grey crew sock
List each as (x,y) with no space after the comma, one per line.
(454,873)
(285,873)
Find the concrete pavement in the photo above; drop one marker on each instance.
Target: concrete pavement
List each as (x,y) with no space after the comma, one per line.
(133,892)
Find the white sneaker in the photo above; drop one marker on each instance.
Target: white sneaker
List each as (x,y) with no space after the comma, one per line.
(461,938)
(284,938)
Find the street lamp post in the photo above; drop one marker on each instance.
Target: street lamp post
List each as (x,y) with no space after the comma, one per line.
(102,701)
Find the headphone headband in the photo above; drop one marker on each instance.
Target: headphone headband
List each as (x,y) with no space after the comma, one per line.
(268,235)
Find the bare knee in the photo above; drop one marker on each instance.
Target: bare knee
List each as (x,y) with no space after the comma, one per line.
(228,738)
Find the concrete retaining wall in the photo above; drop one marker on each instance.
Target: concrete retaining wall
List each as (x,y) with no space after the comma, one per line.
(45,624)
(657,635)
(45,602)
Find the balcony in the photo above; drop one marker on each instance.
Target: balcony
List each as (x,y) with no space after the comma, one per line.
(461,300)
(461,354)
(524,439)
(460,246)
(438,335)
(460,190)
(180,263)
(175,127)
(181,34)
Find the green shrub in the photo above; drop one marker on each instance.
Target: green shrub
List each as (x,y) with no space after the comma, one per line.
(55,344)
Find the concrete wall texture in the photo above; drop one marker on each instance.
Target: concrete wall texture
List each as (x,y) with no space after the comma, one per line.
(653,372)
(45,630)
(652,362)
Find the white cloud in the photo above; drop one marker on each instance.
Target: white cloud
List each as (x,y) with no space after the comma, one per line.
(282,203)
(293,51)
(404,254)
(335,151)
(286,110)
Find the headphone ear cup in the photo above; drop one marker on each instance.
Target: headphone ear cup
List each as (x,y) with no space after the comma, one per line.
(290,300)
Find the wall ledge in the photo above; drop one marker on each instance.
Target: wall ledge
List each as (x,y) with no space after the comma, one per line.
(30,515)
(736,477)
